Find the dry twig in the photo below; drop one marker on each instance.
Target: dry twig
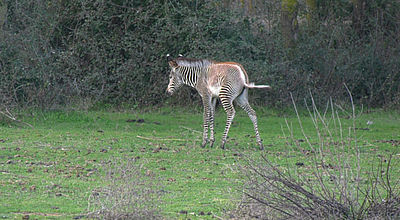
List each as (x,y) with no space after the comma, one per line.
(10,116)
(161,139)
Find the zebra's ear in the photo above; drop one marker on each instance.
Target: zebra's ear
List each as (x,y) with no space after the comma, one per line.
(172,64)
(169,57)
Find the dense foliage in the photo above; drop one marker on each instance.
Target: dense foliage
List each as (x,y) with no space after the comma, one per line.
(81,52)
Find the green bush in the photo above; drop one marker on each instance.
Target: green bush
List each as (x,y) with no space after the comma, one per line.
(57,53)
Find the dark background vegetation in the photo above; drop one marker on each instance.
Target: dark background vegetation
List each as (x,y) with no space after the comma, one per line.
(87,53)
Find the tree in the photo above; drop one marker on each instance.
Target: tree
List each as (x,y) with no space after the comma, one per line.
(311,10)
(358,18)
(3,15)
(289,24)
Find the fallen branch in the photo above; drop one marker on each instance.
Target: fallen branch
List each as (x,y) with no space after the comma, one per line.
(190,129)
(161,139)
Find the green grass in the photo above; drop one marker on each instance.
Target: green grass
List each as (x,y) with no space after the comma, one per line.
(50,170)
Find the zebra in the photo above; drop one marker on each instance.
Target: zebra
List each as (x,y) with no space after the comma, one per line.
(227,81)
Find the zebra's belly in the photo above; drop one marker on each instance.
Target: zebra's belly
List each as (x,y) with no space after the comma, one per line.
(214,90)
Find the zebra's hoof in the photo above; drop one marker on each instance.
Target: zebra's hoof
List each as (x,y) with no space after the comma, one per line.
(223,146)
(212,140)
(261,147)
(203,145)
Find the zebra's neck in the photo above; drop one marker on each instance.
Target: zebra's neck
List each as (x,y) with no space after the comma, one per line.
(190,75)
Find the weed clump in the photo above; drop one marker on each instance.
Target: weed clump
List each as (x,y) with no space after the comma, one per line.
(128,193)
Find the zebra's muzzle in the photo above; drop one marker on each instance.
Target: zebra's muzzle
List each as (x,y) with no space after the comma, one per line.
(170,91)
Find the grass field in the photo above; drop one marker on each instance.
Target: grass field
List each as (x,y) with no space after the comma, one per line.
(50,170)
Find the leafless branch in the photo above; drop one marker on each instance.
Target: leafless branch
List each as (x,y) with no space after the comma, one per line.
(10,116)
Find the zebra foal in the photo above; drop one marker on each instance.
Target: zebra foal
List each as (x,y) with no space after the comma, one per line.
(227,81)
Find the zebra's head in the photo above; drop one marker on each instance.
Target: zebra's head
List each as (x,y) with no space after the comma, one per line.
(175,80)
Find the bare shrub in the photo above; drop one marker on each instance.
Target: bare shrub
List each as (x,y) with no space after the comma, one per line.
(128,193)
(334,182)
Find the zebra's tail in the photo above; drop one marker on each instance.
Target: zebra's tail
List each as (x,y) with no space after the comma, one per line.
(253,86)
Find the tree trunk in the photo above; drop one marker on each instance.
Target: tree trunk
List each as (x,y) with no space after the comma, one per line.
(358,18)
(289,24)
(311,11)
(3,16)
(247,5)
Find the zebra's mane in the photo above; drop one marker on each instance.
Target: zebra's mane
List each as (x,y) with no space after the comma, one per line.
(190,62)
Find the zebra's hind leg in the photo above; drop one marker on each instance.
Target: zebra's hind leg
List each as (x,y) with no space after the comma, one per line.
(212,113)
(243,102)
(230,111)
(253,118)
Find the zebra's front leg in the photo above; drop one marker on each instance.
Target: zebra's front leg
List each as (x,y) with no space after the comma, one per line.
(206,119)
(212,113)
